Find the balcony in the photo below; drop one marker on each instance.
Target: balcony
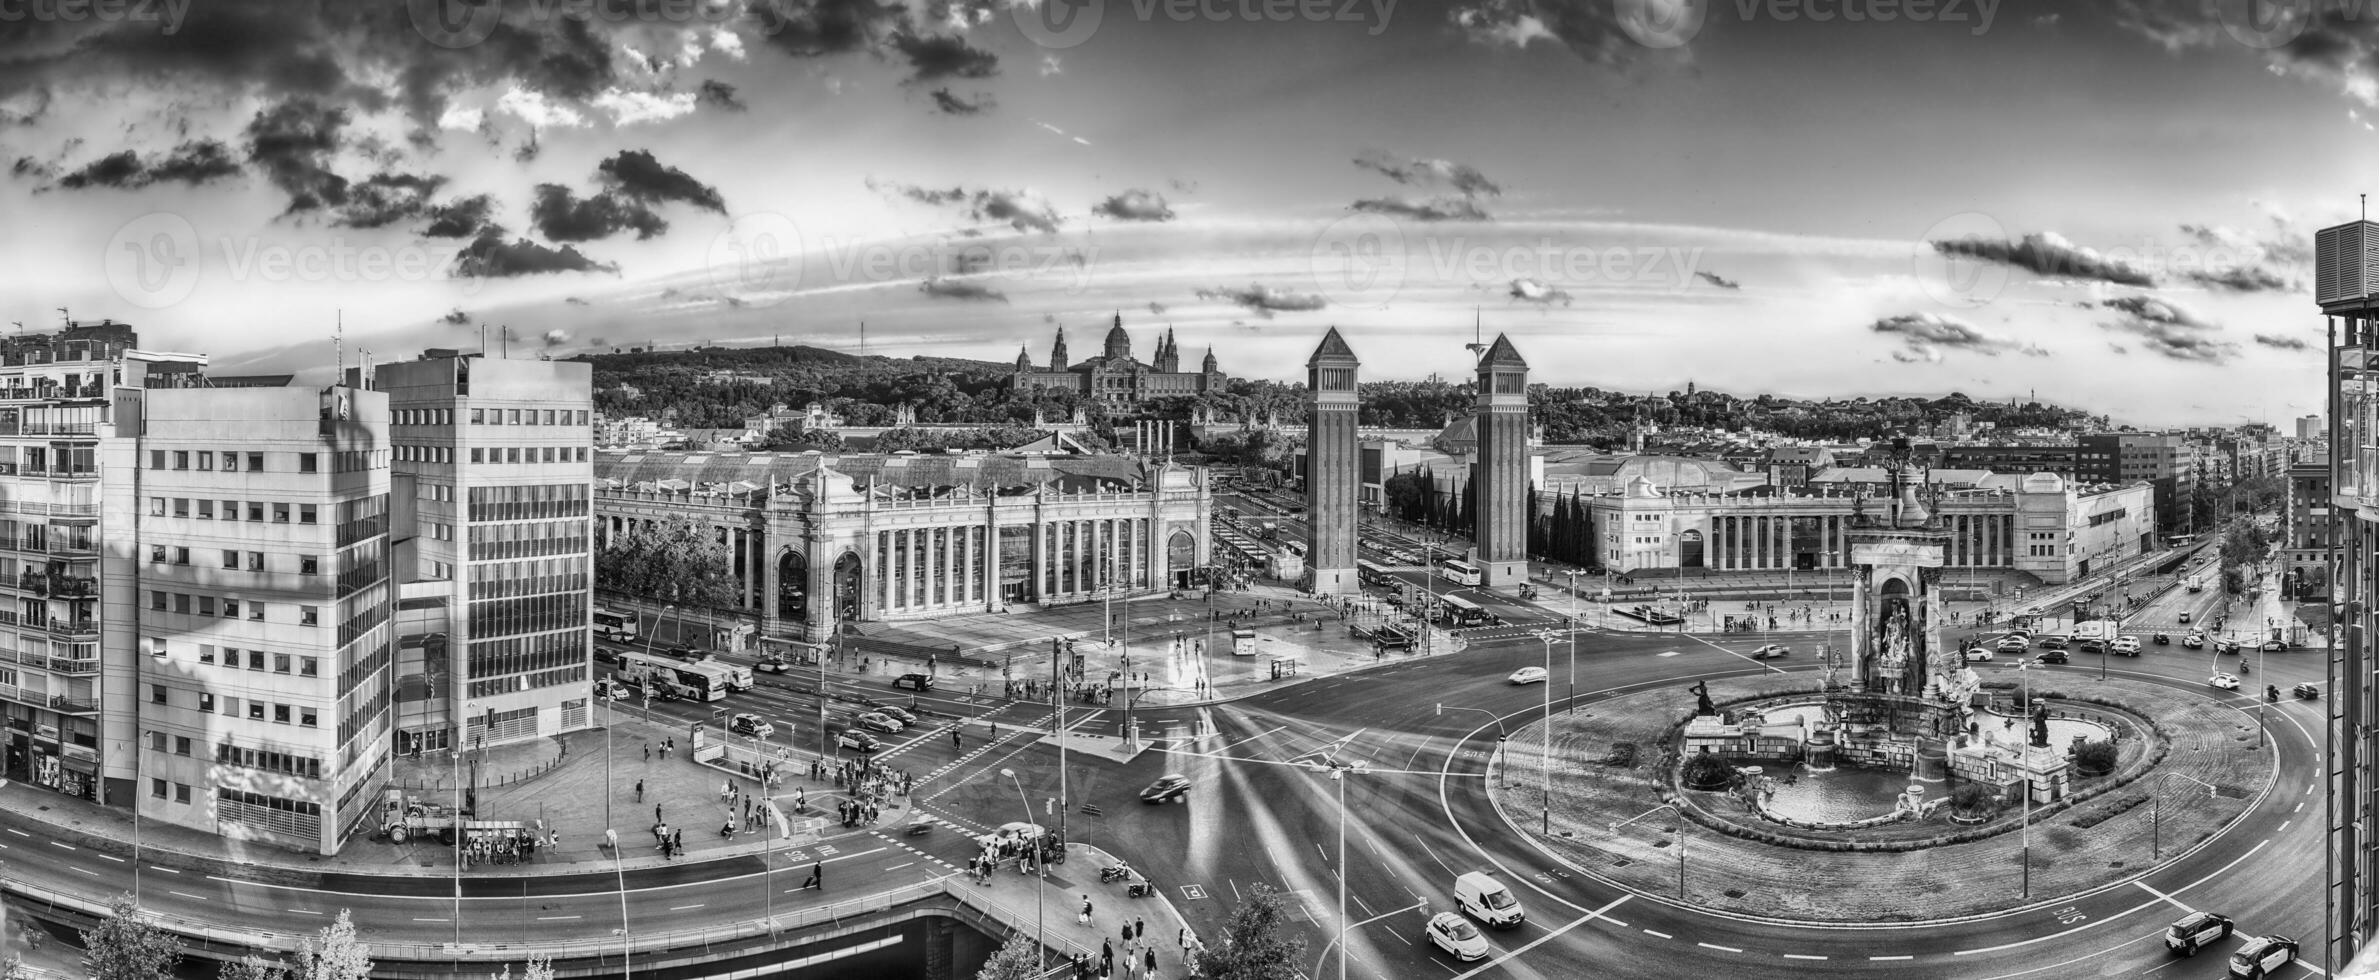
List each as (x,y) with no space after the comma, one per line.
(73,547)
(54,702)
(84,628)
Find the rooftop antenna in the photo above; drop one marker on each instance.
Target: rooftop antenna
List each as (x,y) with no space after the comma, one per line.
(63,315)
(483,340)
(863,338)
(338,345)
(1478,334)
(504,333)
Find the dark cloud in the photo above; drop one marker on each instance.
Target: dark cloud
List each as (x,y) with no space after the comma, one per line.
(713,92)
(2282,343)
(456,318)
(1594,30)
(2049,254)
(933,57)
(1433,209)
(463,217)
(954,105)
(1021,210)
(1135,205)
(25,167)
(195,162)
(1157,309)
(576,301)
(1717,280)
(1924,337)
(1264,300)
(1535,291)
(960,289)
(387,198)
(292,144)
(562,216)
(817,28)
(2244,279)
(635,174)
(490,257)
(2169,330)
(1424,172)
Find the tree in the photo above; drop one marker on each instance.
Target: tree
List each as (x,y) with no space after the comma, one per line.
(334,953)
(676,561)
(537,968)
(254,967)
(1252,946)
(127,946)
(1017,959)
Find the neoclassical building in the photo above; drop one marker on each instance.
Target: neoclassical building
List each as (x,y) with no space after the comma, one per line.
(1115,377)
(818,540)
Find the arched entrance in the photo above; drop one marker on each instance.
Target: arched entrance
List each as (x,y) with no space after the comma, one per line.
(792,587)
(1689,549)
(846,587)
(1181,558)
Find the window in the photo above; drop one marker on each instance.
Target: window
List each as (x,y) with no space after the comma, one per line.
(231,707)
(156,459)
(206,653)
(181,460)
(255,660)
(156,694)
(256,561)
(512,455)
(255,711)
(231,609)
(206,461)
(157,553)
(231,558)
(256,510)
(549,454)
(206,702)
(157,788)
(181,506)
(478,416)
(280,663)
(308,564)
(309,666)
(181,556)
(280,714)
(280,513)
(307,463)
(582,454)
(231,462)
(305,717)
(157,599)
(206,510)
(306,514)
(478,455)
(157,741)
(156,507)
(256,462)
(512,416)
(309,615)
(181,602)
(181,745)
(256,612)
(181,791)
(206,605)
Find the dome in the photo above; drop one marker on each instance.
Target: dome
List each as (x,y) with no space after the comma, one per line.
(1119,343)
(1641,487)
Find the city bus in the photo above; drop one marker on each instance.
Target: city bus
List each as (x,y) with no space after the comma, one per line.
(615,625)
(1370,573)
(1460,572)
(709,680)
(1463,612)
(654,676)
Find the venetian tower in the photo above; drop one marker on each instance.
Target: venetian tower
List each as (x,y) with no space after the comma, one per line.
(1333,474)
(1501,473)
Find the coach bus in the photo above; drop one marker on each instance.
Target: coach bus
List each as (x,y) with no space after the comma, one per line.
(1460,572)
(656,677)
(708,680)
(614,625)
(1463,612)
(1370,573)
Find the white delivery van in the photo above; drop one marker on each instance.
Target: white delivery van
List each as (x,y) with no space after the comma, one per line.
(1487,900)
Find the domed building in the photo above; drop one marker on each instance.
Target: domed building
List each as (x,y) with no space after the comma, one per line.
(1115,377)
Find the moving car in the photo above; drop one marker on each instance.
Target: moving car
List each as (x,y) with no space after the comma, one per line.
(897,713)
(2227,682)
(1528,675)
(772,664)
(2273,646)
(877,721)
(2125,645)
(750,724)
(1480,895)
(914,682)
(2014,644)
(2051,657)
(2309,691)
(2195,931)
(1976,655)
(2055,641)
(2089,647)
(2261,957)
(1172,787)
(1771,651)
(1457,936)
(687,652)
(857,740)
(2184,617)
(2163,639)
(2226,646)
(2196,640)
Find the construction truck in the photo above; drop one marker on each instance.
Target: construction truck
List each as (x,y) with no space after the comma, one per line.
(403,819)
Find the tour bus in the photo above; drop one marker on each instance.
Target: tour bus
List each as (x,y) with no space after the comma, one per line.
(708,680)
(655,676)
(1370,573)
(614,625)
(1460,572)
(1294,549)
(1463,612)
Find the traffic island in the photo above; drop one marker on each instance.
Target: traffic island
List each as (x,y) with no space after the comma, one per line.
(1897,845)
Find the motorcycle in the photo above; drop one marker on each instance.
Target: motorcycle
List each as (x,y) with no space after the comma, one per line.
(1117,873)
(2271,693)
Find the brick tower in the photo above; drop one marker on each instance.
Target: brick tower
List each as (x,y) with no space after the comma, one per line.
(1333,476)
(1501,473)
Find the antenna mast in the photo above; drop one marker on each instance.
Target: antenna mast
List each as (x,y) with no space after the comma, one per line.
(338,346)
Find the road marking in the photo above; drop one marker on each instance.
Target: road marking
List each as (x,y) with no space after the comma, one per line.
(19,833)
(2177,903)
(186,895)
(1670,653)
(2284,824)
(1881,959)
(1547,937)
(2300,808)
(304,911)
(2310,968)
(2211,875)
(1722,949)
(554,918)
(1801,956)
(170,871)
(899,866)
(69,847)
(681,908)
(1656,932)
(88,871)
(118,860)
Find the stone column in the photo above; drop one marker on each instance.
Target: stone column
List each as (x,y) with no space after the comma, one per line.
(1860,640)
(819,584)
(1929,583)
(771,622)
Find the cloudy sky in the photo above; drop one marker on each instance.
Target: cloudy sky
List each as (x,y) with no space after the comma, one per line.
(2108,203)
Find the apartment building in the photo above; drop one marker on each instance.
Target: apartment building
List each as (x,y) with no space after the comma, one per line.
(2158,459)
(262,607)
(493,471)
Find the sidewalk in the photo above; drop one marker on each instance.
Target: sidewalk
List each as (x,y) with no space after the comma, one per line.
(1053,904)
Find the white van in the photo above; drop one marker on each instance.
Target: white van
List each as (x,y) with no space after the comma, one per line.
(1487,900)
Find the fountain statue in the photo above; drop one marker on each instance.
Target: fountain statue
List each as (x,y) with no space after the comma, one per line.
(2040,725)
(1701,693)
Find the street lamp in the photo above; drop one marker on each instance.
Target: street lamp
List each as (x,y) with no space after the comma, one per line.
(2025,671)
(611,835)
(647,686)
(1671,807)
(1338,772)
(1573,640)
(1500,736)
(2156,824)
(1545,761)
(1040,937)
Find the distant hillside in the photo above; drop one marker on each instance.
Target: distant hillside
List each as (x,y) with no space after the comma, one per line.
(766,358)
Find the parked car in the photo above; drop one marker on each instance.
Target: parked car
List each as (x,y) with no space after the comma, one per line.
(856,740)
(877,721)
(1976,655)
(1457,936)
(2261,957)
(2126,645)
(1528,675)
(1772,651)
(914,682)
(2227,682)
(750,724)
(2195,931)
(1172,787)
(2055,641)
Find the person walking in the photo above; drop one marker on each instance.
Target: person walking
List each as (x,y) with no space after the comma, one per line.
(640,791)
(954,740)
(1149,963)
(656,813)
(1106,954)
(648,752)
(1084,918)
(677,840)
(1139,928)
(817,878)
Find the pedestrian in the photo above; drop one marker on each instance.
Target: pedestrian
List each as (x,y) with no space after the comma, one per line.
(953,740)
(1084,918)
(1106,953)
(1139,927)
(648,752)
(1150,963)
(817,877)
(656,812)
(1185,944)
(640,790)
(677,840)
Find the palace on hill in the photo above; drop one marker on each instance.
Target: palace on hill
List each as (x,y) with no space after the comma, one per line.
(1115,377)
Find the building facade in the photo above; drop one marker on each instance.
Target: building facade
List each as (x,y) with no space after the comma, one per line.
(2346,275)
(1502,472)
(1333,476)
(1115,378)
(2305,532)
(2157,458)
(819,540)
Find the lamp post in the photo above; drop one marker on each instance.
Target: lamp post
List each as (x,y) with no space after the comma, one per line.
(1040,937)
(1545,760)
(647,685)
(1573,641)
(1671,807)
(2025,828)
(1338,772)
(1429,604)
(2156,823)
(611,835)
